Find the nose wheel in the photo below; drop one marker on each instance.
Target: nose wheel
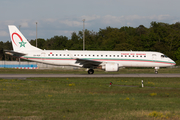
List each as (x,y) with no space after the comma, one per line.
(156,70)
(90,71)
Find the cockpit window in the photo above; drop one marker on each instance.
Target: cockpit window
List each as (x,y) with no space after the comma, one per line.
(163,56)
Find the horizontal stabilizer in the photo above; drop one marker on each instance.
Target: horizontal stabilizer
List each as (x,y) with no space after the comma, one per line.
(13,53)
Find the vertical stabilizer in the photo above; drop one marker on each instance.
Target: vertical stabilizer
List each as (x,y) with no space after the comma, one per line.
(19,42)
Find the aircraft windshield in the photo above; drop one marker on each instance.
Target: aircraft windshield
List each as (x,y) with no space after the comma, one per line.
(164,56)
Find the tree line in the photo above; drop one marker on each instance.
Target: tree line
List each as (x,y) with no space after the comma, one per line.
(160,37)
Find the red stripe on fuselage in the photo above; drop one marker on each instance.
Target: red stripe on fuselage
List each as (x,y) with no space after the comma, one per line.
(101,60)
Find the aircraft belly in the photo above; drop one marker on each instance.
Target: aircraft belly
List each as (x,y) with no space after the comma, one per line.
(136,64)
(149,64)
(60,62)
(143,64)
(126,64)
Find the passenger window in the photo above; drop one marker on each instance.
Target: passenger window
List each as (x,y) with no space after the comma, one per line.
(67,54)
(59,54)
(101,55)
(52,54)
(48,54)
(114,56)
(117,55)
(125,55)
(121,55)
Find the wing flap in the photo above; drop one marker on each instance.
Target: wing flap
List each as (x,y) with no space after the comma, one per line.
(88,63)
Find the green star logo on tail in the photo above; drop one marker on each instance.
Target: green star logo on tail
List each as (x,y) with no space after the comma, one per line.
(22,44)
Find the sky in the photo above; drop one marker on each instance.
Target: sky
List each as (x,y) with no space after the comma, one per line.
(63,17)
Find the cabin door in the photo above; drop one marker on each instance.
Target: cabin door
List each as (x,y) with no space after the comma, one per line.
(43,55)
(154,57)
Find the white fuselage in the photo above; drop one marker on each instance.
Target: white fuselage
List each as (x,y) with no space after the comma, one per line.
(122,58)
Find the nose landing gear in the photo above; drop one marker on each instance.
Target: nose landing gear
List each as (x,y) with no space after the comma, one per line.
(156,70)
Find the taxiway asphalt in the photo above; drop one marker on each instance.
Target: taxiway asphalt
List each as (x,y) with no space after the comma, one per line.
(86,75)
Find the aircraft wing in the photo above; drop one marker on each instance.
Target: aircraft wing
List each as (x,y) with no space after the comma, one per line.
(11,52)
(88,63)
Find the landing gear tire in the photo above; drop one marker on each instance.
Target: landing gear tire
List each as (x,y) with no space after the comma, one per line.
(90,71)
(156,70)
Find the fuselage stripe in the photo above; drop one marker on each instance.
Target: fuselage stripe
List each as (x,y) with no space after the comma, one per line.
(132,60)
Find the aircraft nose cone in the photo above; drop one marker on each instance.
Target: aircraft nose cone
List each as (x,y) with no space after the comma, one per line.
(173,63)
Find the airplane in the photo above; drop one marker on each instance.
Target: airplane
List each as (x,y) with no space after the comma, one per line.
(106,60)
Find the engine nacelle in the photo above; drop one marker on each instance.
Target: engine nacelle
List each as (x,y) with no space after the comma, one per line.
(111,67)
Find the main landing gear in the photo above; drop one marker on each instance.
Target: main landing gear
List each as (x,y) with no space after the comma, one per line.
(90,71)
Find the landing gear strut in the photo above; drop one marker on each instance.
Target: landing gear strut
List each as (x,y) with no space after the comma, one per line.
(90,71)
(156,70)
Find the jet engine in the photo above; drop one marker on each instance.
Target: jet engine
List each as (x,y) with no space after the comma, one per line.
(111,67)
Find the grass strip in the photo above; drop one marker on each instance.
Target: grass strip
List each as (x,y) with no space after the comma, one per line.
(90,98)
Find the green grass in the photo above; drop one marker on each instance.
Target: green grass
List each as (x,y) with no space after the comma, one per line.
(82,71)
(90,98)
